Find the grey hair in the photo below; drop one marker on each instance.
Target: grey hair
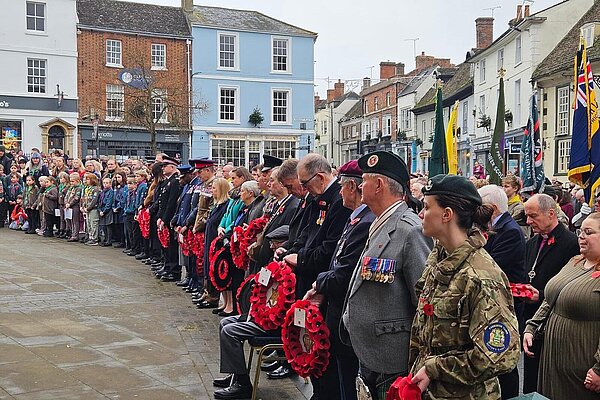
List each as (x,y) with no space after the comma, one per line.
(251,186)
(492,194)
(395,188)
(357,181)
(288,170)
(314,163)
(275,173)
(545,202)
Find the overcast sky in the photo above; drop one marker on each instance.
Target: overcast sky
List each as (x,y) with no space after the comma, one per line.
(356,35)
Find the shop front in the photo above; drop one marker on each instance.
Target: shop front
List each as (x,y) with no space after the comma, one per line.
(124,143)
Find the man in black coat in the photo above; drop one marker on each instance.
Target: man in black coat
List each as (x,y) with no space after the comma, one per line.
(546,253)
(167,206)
(314,248)
(506,245)
(331,286)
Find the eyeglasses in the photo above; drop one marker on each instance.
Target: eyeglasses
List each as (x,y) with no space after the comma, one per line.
(304,183)
(584,232)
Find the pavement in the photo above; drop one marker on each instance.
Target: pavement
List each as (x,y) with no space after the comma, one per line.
(81,322)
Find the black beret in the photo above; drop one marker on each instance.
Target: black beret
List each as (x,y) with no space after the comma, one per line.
(385,163)
(279,234)
(452,185)
(270,162)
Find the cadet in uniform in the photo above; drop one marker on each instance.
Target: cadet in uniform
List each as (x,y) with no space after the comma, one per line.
(465,332)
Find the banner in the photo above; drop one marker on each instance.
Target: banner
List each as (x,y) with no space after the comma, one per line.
(496,155)
(532,164)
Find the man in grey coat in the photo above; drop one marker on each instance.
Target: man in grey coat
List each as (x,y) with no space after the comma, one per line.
(381,300)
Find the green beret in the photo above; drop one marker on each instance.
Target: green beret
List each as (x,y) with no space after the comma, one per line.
(385,163)
(452,185)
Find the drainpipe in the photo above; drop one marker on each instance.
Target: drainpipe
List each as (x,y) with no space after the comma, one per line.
(188,43)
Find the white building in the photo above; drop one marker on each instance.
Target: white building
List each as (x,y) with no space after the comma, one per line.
(38,83)
(530,38)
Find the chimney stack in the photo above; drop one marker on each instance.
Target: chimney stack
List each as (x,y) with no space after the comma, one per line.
(338,88)
(400,69)
(187,6)
(387,69)
(330,95)
(484,28)
(366,83)
(526,11)
(519,16)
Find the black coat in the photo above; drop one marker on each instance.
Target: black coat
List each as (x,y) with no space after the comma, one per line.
(210,232)
(296,221)
(318,238)
(552,258)
(167,199)
(506,245)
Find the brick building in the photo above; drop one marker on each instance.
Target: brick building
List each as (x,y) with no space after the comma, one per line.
(133,77)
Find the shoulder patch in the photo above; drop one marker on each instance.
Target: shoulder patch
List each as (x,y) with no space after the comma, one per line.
(496,337)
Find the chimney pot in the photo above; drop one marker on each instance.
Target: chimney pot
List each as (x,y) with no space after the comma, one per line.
(519,13)
(366,83)
(187,6)
(526,11)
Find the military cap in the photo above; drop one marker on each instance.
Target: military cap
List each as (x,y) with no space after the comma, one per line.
(168,160)
(270,162)
(200,163)
(279,234)
(185,169)
(385,163)
(351,169)
(452,185)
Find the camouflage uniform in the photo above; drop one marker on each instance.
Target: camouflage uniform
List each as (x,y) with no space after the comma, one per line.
(202,204)
(465,331)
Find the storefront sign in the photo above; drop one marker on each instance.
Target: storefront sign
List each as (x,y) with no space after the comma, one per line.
(172,138)
(514,148)
(4,104)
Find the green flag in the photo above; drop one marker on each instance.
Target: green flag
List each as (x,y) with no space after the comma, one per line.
(496,156)
(438,163)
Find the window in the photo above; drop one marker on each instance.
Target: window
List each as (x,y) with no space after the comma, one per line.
(224,151)
(159,106)
(518,49)
(36,75)
(281,100)
(563,156)
(281,62)
(113,53)
(115,102)
(482,71)
(366,103)
(388,99)
(432,125)
(482,104)
(405,120)
(423,128)
(365,131)
(228,104)
(465,117)
(354,133)
(159,56)
(387,125)
(324,127)
(500,59)
(11,134)
(228,51)
(280,148)
(564,105)
(587,31)
(36,16)
(375,126)
(376,103)
(517,110)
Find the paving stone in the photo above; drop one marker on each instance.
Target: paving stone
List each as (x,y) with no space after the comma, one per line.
(33,376)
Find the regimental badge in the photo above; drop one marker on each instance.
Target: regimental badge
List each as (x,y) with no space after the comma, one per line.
(372,161)
(429,185)
(496,337)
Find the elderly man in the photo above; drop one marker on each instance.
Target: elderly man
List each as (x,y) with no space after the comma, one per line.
(506,245)
(381,300)
(546,253)
(331,286)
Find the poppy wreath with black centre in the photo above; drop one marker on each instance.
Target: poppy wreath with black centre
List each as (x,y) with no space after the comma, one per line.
(144,222)
(243,294)
(307,349)
(164,236)
(269,312)
(219,271)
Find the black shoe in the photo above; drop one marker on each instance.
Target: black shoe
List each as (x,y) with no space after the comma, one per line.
(149,261)
(131,253)
(170,278)
(282,372)
(207,304)
(223,382)
(269,367)
(226,314)
(104,244)
(141,256)
(183,283)
(118,245)
(235,391)
(217,310)
(156,268)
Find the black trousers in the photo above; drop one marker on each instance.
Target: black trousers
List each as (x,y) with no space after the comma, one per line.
(33,216)
(137,244)
(530,374)
(171,255)
(128,231)
(51,220)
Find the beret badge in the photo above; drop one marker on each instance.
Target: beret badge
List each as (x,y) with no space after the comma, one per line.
(372,161)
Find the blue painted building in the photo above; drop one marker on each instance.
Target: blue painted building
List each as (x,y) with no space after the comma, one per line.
(245,61)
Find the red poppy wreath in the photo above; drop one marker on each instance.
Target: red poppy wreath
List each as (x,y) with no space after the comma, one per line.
(220,270)
(307,349)
(144,221)
(235,245)
(163,236)
(243,294)
(184,243)
(196,241)
(270,303)
(243,238)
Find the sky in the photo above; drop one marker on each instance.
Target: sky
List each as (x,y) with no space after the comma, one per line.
(355,36)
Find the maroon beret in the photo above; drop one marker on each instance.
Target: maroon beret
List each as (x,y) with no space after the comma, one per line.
(351,168)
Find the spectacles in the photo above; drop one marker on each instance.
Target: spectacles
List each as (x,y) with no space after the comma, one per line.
(584,232)
(304,183)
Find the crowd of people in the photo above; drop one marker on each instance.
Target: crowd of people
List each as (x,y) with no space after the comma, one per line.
(442,279)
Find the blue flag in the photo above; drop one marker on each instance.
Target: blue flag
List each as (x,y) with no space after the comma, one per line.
(532,164)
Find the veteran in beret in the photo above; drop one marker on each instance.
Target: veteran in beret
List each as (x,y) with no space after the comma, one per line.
(465,332)
(381,299)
